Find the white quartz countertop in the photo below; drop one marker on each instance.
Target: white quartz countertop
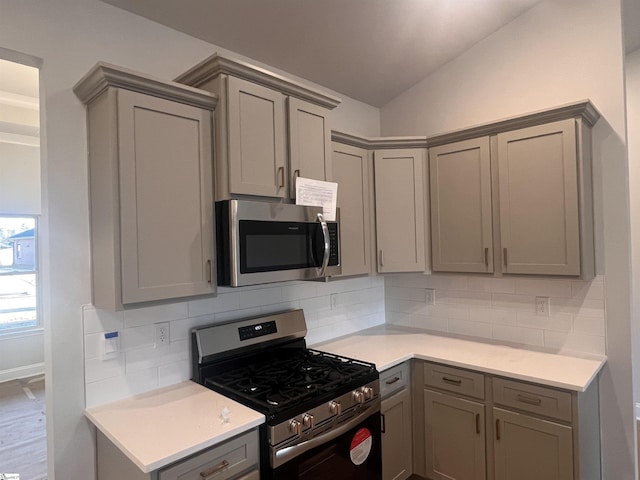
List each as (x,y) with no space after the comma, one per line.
(387,346)
(190,417)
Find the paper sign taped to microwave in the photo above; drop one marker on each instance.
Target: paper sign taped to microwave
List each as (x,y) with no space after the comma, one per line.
(317,193)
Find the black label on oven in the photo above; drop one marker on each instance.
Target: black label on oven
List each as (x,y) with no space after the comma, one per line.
(257,330)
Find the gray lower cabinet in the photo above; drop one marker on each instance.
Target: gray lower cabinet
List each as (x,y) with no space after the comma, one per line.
(151,187)
(396,410)
(476,426)
(234,459)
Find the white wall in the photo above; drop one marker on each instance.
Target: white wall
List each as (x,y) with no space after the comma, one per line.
(70,36)
(558,52)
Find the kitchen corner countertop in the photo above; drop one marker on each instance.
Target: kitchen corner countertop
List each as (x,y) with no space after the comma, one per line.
(388,345)
(191,422)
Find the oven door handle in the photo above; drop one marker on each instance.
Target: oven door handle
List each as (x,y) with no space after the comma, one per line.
(327,245)
(283,455)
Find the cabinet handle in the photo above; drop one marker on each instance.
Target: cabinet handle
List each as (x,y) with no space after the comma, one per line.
(296,173)
(529,400)
(381,258)
(213,471)
(486,256)
(392,381)
(504,254)
(478,423)
(209,272)
(497,429)
(383,424)
(281,175)
(452,381)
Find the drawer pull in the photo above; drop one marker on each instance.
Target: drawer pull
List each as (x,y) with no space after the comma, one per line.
(281,175)
(486,256)
(528,400)
(452,381)
(478,423)
(213,471)
(383,424)
(392,381)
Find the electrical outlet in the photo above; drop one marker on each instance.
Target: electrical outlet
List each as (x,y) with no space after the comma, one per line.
(542,306)
(162,334)
(430,296)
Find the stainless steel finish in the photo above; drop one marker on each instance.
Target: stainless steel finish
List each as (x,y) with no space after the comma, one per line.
(215,340)
(282,454)
(327,245)
(295,427)
(270,211)
(213,471)
(367,392)
(324,415)
(307,420)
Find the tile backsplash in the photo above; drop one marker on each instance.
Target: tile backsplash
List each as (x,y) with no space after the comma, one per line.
(502,309)
(331,309)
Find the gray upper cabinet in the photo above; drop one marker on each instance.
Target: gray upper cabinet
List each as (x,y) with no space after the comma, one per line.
(461,217)
(515,196)
(269,129)
(351,168)
(150,176)
(400,209)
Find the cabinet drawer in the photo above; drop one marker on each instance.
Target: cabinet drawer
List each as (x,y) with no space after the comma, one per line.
(394,379)
(229,459)
(532,398)
(455,380)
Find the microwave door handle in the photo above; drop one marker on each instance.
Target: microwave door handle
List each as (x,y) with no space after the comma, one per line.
(327,244)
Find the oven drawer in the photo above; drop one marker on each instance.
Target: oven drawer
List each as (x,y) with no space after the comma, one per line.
(394,379)
(228,459)
(532,398)
(455,380)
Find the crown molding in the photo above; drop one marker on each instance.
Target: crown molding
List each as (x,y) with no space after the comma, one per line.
(375,143)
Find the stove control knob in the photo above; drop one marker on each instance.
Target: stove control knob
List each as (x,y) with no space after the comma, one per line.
(335,408)
(358,396)
(295,427)
(368,393)
(307,420)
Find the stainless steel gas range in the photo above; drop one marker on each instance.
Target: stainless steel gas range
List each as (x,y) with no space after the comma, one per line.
(322,410)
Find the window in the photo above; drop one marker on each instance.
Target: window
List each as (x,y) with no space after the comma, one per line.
(18,273)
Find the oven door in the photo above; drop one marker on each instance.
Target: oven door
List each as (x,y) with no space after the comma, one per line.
(350,451)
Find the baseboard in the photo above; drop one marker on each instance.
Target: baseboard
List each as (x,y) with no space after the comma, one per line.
(22,372)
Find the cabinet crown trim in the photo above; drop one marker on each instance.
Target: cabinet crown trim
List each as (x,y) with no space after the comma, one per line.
(216,65)
(583,109)
(104,75)
(378,142)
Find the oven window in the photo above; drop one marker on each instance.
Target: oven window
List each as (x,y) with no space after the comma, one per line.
(270,246)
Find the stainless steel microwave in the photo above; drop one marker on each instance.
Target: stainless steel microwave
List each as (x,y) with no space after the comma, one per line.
(263,242)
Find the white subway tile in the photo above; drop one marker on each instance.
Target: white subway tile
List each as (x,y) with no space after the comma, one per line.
(279,307)
(587,308)
(299,291)
(440,281)
(574,342)
(117,388)
(520,302)
(493,315)
(315,304)
(587,290)
(181,329)
(492,285)
(224,302)
(589,325)
(561,323)
(543,287)
(173,373)
(99,368)
(405,306)
(155,314)
(260,297)
(93,345)
(137,337)
(237,314)
(460,312)
(473,329)
(521,335)
(96,320)
(364,309)
(463,297)
(357,296)
(148,357)
(331,317)
(407,293)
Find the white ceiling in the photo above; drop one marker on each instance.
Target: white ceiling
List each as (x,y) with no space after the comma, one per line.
(370,50)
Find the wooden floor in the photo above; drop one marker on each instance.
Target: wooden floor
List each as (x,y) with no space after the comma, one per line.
(23,446)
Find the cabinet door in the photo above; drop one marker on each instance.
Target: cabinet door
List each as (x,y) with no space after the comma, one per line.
(256,130)
(399,200)
(166,200)
(350,166)
(454,438)
(309,142)
(396,437)
(461,220)
(538,183)
(529,448)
